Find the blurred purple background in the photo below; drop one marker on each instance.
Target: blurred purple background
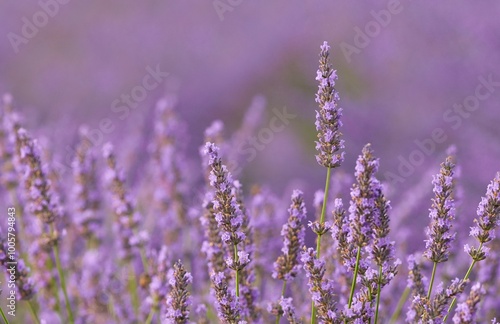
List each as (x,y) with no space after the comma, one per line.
(416,60)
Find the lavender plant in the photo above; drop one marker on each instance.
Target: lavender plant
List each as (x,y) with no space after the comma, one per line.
(181,244)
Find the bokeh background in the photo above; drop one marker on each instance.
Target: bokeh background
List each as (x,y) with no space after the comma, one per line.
(394,91)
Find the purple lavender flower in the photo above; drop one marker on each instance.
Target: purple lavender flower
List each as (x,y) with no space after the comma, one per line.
(293,232)
(442,214)
(319,287)
(178,299)
(328,116)
(127,219)
(86,192)
(24,282)
(228,212)
(364,193)
(434,309)
(466,311)
(41,201)
(488,213)
(213,247)
(157,281)
(227,305)
(8,126)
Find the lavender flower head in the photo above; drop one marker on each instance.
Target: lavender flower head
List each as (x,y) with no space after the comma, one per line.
(228,309)
(466,311)
(321,289)
(442,214)
(286,266)
(227,210)
(364,194)
(488,213)
(178,299)
(127,219)
(85,191)
(328,116)
(41,201)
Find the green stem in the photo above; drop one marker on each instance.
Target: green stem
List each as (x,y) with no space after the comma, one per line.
(323,210)
(399,307)
(465,278)
(318,239)
(3,316)
(282,295)
(434,267)
(132,286)
(150,316)
(63,282)
(33,311)
(379,288)
(237,279)
(356,269)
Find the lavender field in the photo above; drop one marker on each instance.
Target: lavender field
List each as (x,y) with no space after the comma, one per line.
(249,162)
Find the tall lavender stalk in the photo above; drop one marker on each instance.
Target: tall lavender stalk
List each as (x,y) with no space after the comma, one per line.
(488,220)
(329,142)
(41,202)
(178,299)
(442,214)
(287,265)
(363,209)
(228,212)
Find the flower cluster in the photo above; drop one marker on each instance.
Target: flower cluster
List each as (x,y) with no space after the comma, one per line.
(442,215)
(328,115)
(243,247)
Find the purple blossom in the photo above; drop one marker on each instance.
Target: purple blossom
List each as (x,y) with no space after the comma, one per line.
(466,311)
(442,214)
(286,266)
(363,210)
(328,115)
(321,289)
(227,210)
(488,213)
(178,300)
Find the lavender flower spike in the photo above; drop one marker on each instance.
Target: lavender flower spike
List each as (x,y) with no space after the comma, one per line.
(320,288)
(328,115)
(227,307)
(228,212)
(466,311)
(286,266)
(488,212)
(442,214)
(178,300)
(363,198)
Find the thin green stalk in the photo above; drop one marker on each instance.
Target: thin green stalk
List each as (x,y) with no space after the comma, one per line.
(282,295)
(401,303)
(63,284)
(235,247)
(318,239)
(132,286)
(434,267)
(379,288)
(465,278)
(356,269)
(150,316)
(323,210)
(3,316)
(33,311)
